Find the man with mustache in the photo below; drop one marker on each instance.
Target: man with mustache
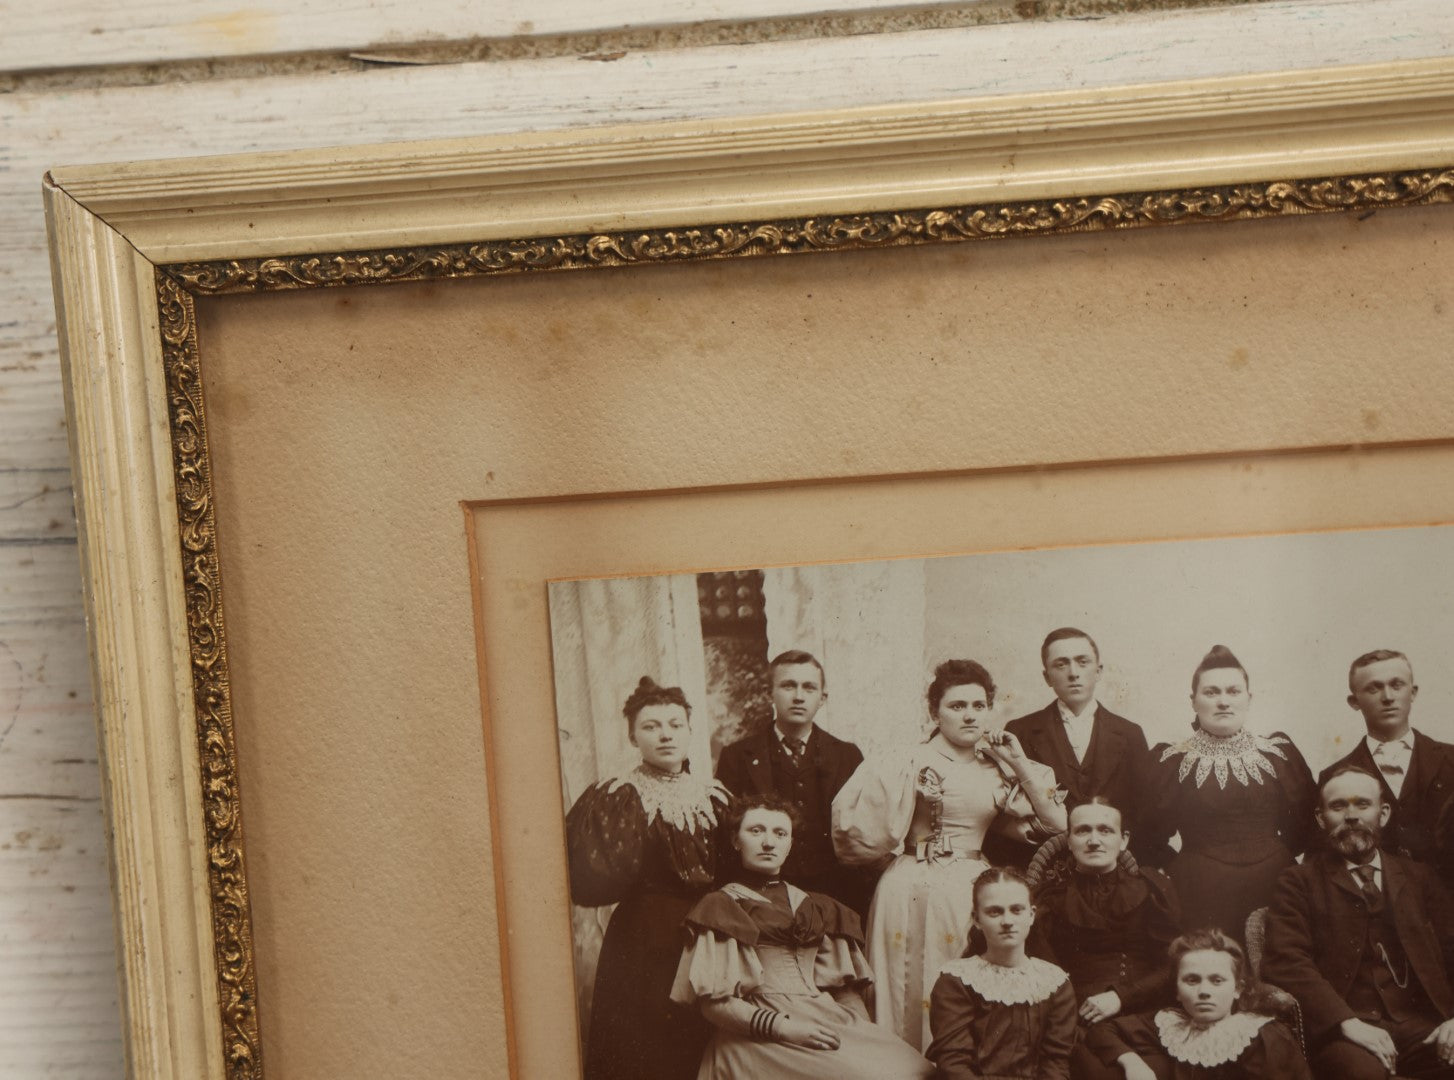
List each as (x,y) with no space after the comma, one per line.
(1363,938)
(1415,771)
(794,758)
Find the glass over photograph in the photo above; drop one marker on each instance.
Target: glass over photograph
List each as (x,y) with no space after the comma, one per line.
(1170,809)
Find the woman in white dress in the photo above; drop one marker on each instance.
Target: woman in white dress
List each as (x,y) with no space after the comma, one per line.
(923,813)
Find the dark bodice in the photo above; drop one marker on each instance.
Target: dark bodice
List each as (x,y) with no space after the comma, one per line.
(1235,819)
(618,846)
(1109,932)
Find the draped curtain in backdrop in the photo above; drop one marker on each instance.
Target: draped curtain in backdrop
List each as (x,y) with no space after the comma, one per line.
(865,622)
(605,635)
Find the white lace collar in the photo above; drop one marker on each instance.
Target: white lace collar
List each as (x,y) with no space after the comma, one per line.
(679,799)
(1243,756)
(1224,1041)
(1028,984)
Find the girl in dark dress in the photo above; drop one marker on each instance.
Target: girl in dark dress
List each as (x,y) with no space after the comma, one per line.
(1002,1015)
(644,842)
(1242,802)
(1221,1029)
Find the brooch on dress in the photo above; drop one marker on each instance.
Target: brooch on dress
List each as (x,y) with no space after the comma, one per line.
(1243,756)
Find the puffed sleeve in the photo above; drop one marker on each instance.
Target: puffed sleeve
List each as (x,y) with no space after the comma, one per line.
(1017,816)
(840,960)
(720,959)
(1158,815)
(606,836)
(1299,796)
(1274,1055)
(1059,1038)
(715,967)
(872,812)
(953,1009)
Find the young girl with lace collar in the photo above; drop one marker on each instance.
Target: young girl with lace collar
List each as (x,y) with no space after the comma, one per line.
(1002,1015)
(1221,1028)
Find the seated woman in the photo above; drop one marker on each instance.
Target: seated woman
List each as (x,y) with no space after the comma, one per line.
(1105,920)
(779,973)
(1221,1029)
(923,813)
(1002,1015)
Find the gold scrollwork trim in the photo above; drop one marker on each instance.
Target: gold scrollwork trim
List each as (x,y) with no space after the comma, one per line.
(178,284)
(1239,202)
(221,810)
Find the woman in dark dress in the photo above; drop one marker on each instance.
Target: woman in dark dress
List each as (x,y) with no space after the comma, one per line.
(1242,802)
(644,842)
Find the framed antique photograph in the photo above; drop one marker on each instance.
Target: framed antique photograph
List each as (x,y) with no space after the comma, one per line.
(399,466)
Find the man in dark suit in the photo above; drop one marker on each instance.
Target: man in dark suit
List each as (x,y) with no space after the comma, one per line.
(794,758)
(1092,750)
(1415,771)
(1364,940)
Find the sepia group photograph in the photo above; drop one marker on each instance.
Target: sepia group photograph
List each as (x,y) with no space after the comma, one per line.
(1166,809)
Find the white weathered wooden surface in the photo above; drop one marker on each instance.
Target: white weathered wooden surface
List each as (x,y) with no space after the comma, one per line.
(57,985)
(74,32)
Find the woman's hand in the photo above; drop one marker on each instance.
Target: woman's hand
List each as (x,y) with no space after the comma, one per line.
(806,1034)
(1004,747)
(1135,1067)
(1100,1007)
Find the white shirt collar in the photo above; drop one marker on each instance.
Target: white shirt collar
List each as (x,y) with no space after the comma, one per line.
(1376,862)
(781,738)
(1085,716)
(1392,746)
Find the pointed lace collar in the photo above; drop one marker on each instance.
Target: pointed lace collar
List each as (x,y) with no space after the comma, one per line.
(1224,1041)
(1028,984)
(679,799)
(1242,756)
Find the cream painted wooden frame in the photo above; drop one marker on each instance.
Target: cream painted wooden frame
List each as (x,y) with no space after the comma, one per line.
(1239,144)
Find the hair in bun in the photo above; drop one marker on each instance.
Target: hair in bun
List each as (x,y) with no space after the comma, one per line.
(648,692)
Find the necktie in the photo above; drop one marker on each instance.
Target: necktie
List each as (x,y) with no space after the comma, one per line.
(796,748)
(1371,894)
(1390,769)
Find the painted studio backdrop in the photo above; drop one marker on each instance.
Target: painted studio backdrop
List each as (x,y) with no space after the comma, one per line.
(1295,609)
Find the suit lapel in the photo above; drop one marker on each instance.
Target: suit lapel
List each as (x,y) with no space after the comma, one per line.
(1105,749)
(759,764)
(1343,879)
(1363,758)
(1430,769)
(1420,772)
(1054,744)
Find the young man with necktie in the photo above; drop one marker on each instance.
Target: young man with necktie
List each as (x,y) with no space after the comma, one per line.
(796,759)
(1415,771)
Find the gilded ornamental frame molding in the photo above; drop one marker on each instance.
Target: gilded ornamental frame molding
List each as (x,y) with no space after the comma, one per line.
(134,246)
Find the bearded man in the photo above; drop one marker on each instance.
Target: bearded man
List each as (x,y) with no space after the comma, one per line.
(1363,938)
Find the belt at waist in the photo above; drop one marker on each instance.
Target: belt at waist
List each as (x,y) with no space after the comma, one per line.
(942,849)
